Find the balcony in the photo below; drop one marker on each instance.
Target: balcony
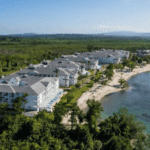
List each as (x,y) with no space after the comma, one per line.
(11,95)
(6,94)
(5,100)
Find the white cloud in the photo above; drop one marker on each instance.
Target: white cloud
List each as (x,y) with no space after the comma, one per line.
(108,28)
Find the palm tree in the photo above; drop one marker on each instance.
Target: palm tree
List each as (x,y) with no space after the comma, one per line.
(123,82)
(88,64)
(57,72)
(24,100)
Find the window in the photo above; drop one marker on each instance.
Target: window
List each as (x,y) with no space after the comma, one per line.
(5,100)
(11,94)
(6,94)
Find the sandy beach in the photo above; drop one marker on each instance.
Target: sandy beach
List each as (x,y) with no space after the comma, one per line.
(105,90)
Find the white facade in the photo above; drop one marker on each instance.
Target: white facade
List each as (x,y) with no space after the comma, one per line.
(107,60)
(34,101)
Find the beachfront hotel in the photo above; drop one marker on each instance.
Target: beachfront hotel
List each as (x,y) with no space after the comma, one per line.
(143,53)
(103,56)
(66,76)
(42,81)
(43,91)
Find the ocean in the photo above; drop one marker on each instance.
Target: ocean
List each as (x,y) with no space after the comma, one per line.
(136,99)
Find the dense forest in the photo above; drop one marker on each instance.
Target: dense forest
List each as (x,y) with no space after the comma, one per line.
(45,131)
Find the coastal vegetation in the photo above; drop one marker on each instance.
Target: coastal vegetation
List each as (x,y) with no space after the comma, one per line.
(45,131)
(123,83)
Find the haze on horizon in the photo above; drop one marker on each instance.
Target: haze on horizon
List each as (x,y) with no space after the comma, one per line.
(65,16)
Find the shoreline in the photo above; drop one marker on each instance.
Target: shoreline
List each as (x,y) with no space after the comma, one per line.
(108,89)
(105,90)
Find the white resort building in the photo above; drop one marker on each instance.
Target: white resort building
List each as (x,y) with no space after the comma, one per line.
(43,91)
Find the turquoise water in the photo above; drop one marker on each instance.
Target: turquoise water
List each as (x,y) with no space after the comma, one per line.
(136,99)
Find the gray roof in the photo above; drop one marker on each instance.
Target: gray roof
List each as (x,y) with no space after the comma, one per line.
(46,70)
(7,78)
(24,89)
(63,63)
(6,88)
(63,72)
(34,85)
(70,71)
(17,79)
(98,53)
(45,83)
(75,59)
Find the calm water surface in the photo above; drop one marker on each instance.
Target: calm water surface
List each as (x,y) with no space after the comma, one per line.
(136,99)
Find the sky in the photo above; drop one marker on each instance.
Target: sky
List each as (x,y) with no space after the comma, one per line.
(73,16)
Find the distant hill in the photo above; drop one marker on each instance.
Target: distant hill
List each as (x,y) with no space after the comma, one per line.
(116,34)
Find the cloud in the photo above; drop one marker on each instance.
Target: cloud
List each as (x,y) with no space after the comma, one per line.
(108,28)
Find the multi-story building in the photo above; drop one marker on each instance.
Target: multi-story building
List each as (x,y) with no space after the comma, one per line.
(143,53)
(41,90)
(103,56)
(66,76)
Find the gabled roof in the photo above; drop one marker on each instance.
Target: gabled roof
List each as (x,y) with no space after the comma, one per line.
(63,72)
(6,88)
(34,86)
(45,83)
(18,79)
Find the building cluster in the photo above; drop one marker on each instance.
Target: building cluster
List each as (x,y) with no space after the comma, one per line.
(142,53)
(97,57)
(42,81)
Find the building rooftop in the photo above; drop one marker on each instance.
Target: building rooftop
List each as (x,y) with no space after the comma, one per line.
(34,85)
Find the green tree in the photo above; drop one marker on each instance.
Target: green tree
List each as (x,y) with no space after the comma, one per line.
(92,115)
(69,97)
(110,66)
(109,74)
(3,108)
(125,62)
(122,125)
(89,63)
(131,65)
(90,48)
(97,145)
(84,138)
(123,82)
(78,85)
(104,82)
(140,60)
(74,112)
(117,143)
(58,113)
(24,100)
(17,105)
(57,70)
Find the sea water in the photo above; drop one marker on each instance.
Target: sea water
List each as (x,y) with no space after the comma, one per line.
(136,99)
